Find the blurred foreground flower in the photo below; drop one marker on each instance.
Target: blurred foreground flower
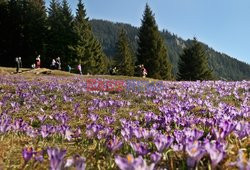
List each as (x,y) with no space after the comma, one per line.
(216,151)
(56,158)
(131,163)
(242,162)
(77,161)
(195,152)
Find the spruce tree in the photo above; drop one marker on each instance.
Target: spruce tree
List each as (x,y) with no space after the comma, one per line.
(4,37)
(124,56)
(193,63)
(35,30)
(152,51)
(87,49)
(68,34)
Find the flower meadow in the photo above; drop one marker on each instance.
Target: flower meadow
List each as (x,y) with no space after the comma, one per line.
(49,122)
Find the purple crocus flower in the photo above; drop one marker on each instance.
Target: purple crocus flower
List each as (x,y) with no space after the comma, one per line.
(155,157)
(41,117)
(140,148)
(68,134)
(163,142)
(56,158)
(93,117)
(39,155)
(5,124)
(114,144)
(27,154)
(80,162)
(216,152)
(177,147)
(131,163)
(195,152)
(45,131)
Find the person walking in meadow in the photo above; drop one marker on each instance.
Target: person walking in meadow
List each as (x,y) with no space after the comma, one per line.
(17,65)
(58,63)
(69,68)
(53,64)
(79,67)
(144,72)
(20,62)
(38,62)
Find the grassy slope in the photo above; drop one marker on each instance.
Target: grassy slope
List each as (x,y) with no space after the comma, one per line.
(95,151)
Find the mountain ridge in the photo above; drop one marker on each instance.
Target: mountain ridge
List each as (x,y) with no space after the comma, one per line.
(224,66)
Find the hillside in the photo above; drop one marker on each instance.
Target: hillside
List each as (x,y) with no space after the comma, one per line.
(224,66)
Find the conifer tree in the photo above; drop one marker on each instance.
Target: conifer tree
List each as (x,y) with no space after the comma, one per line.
(193,64)
(124,56)
(152,51)
(35,30)
(68,34)
(55,47)
(4,38)
(61,34)
(87,49)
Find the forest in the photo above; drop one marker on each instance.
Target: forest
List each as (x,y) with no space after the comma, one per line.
(28,28)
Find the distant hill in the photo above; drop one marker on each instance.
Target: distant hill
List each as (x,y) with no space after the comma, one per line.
(224,66)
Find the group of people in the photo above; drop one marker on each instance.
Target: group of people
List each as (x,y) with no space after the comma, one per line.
(56,64)
(143,71)
(139,69)
(18,64)
(37,64)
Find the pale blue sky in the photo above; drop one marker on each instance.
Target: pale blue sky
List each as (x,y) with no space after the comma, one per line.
(222,24)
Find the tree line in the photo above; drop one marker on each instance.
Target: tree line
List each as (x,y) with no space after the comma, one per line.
(29,29)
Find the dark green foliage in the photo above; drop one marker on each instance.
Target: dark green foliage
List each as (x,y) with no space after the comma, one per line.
(26,31)
(124,57)
(60,36)
(22,30)
(152,51)
(87,49)
(224,67)
(193,64)
(3,30)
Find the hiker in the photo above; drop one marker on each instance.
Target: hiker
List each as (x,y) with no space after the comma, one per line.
(79,67)
(58,63)
(20,62)
(33,66)
(17,64)
(69,68)
(144,73)
(53,64)
(38,62)
(111,71)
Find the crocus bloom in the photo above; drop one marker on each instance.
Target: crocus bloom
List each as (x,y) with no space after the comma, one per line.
(163,142)
(215,151)
(39,155)
(155,157)
(27,154)
(195,153)
(131,163)
(80,162)
(140,148)
(114,144)
(56,158)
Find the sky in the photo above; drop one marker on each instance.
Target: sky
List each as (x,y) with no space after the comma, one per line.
(223,25)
